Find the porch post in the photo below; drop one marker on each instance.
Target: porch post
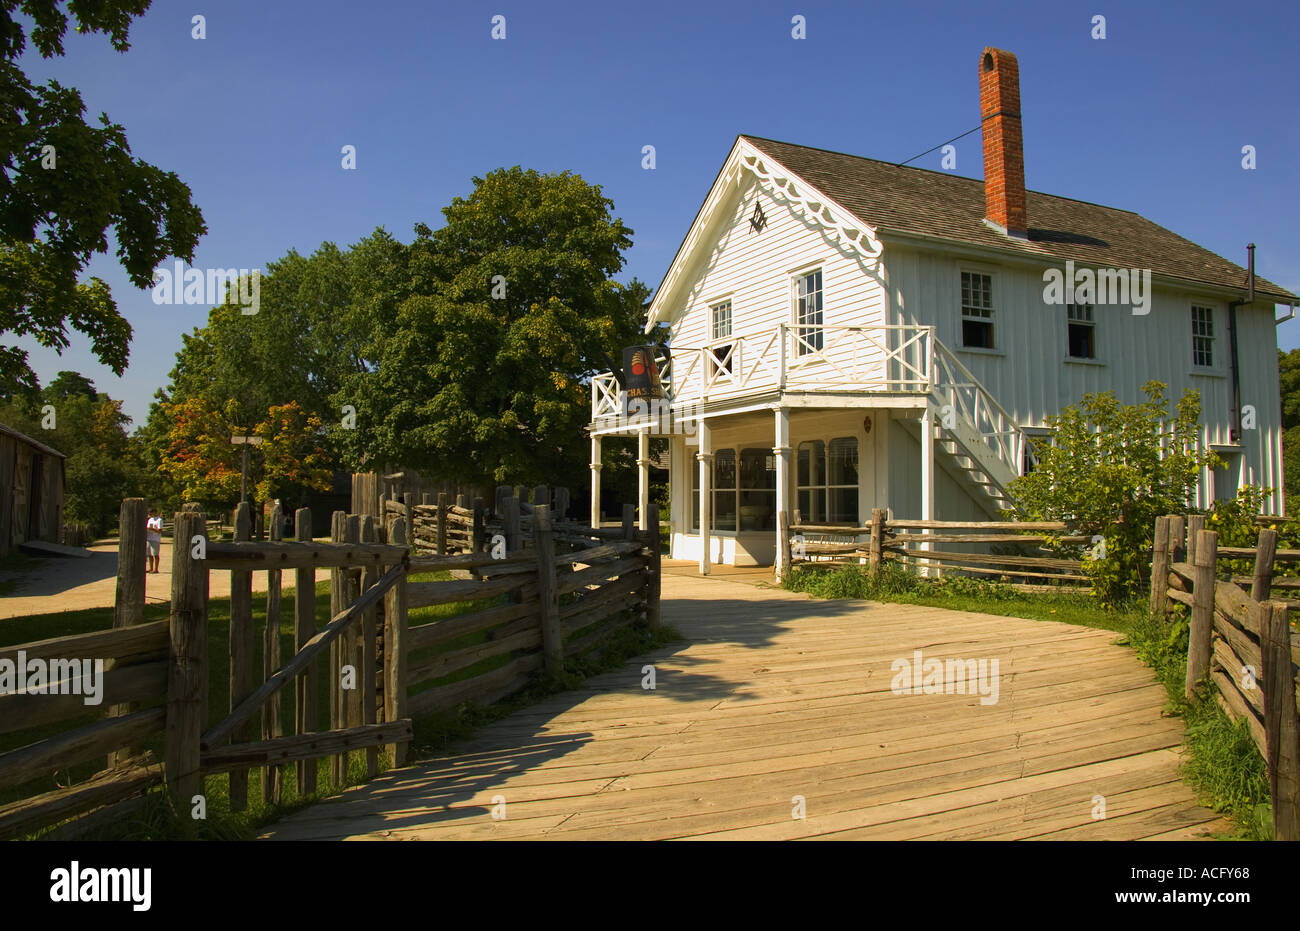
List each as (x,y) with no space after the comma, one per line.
(782,452)
(705,456)
(927,474)
(643,478)
(595,481)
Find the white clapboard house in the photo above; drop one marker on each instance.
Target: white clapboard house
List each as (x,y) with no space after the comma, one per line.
(848,334)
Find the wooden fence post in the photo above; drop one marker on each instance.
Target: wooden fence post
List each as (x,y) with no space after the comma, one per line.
(876,546)
(548,601)
(561,510)
(510,525)
(304,628)
(369,652)
(1177,538)
(241,652)
(128,603)
(338,600)
(443,513)
(629,522)
(1202,629)
(1195,524)
(187,668)
(541,496)
(654,571)
(1160,567)
(395,646)
(478,530)
(271,726)
(1265,550)
(1282,736)
(782,542)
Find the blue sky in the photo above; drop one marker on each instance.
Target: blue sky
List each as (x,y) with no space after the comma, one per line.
(254,116)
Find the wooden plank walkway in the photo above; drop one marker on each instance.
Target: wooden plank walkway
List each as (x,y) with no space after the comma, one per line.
(777,696)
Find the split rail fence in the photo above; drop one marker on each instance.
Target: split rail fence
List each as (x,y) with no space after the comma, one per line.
(1239,640)
(927,544)
(348,687)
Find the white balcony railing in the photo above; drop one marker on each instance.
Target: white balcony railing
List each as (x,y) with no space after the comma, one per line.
(884,359)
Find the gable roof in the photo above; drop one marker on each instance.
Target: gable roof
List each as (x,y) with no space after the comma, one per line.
(927,203)
(23,438)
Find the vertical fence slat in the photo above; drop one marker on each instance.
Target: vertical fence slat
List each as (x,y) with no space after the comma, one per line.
(1195,524)
(271,727)
(1202,628)
(1282,738)
(1177,538)
(547,599)
(369,657)
(187,672)
(304,628)
(443,514)
(241,652)
(510,524)
(1262,582)
(629,522)
(876,546)
(654,570)
(395,645)
(1160,567)
(338,599)
(128,604)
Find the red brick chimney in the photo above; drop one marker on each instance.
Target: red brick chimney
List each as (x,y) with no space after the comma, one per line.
(1004,157)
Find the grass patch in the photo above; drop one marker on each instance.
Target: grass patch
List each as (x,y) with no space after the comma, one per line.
(1221,761)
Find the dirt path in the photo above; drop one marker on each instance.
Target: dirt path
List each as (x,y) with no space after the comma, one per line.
(58,584)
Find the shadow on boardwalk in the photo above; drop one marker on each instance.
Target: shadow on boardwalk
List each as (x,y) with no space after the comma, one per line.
(778,705)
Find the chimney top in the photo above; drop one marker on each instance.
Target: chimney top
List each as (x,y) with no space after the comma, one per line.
(1004,158)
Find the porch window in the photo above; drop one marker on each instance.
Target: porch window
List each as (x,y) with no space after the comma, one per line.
(976,310)
(720,348)
(1081,338)
(808,314)
(757,489)
(724,489)
(828,480)
(1203,336)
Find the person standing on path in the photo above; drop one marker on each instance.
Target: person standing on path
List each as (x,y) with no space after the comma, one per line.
(153,537)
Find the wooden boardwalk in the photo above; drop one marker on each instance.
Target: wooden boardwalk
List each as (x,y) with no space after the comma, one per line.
(777,696)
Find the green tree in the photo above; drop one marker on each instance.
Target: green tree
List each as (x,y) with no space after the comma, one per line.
(510,308)
(1288,370)
(65,185)
(1109,470)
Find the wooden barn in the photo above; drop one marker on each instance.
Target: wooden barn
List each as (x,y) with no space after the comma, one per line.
(31,490)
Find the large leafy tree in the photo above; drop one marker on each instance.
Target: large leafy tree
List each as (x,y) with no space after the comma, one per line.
(481,376)
(315,315)
(1288,365)
(1110,469)
(65,185)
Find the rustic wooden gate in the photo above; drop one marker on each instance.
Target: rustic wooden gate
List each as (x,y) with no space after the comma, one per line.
(367,577)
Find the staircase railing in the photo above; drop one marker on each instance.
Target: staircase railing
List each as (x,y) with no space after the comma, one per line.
(972,416)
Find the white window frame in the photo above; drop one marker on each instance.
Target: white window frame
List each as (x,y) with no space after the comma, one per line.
(1088,320)
(1211,336)
(801,349)
(715,371)
(990,317)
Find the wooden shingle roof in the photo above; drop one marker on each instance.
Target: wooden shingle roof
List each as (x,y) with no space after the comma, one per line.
(922,202)
(37,444)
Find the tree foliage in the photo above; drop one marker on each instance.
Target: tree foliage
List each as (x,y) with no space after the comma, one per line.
(508,310)
(64,186)
(207,467)
(1109,469)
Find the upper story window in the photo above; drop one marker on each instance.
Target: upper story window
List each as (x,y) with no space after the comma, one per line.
(808,313)
(720,345)
(976,310)
(1202,336)
(1082,336)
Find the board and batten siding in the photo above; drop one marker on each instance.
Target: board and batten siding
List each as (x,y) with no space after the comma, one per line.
(1031,375)
(755,271)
